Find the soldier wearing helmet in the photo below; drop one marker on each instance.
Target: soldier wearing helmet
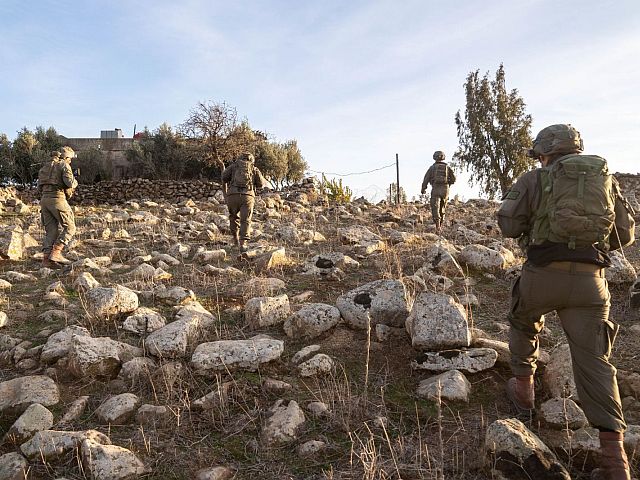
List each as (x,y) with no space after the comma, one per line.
(440,176)
(240,181)
(56,184)
(566,274)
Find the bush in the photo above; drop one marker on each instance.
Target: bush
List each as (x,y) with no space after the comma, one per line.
(335,191)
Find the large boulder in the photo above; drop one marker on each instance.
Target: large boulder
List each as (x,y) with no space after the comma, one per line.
(105,301)
(209,358)
(312,320)
(266,311)
(118,409)
(563,413)
(51,444)
(34,419)
(110,462)
(171,341)
(143,321)
(383,301)
(59,343)
(484,258)
(18,394)
(94,357)
(515,453)
(437,322)
(363,239)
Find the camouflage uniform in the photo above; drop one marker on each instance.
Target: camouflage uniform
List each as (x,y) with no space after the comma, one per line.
(240,201)
(55,184)
(439,189)
(571,282)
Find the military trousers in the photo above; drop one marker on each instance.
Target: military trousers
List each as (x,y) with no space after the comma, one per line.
(58,221)
(579,293)
(438,202)
(240,212)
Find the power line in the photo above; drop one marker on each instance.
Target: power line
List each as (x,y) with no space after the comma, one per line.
(354,173)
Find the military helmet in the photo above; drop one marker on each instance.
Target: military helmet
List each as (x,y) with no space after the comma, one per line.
(438,156)
(55,155)
(248,156)
(67,152)
(561,138)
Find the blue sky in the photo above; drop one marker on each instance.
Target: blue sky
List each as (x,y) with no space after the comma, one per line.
(354,82)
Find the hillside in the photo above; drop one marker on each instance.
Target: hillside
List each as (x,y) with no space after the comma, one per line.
(160,352)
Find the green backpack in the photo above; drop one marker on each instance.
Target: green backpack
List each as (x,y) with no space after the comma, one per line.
(576,204)
(243,174)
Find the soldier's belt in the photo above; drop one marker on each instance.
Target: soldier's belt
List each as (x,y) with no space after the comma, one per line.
(577,267)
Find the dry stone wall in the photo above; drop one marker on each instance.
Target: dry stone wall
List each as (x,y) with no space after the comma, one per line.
(114,192)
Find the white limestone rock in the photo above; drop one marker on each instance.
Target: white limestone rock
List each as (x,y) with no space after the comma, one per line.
(470,360)
(558,376)
(319,364)
(563,413)
(266,311)
(110,462)
(384,301)
(93,357)
(451,385)
(105,301)
(212,357)
(174,295)
(118,409)
(59,344)
(13,466)
(85,282)
(283,425)
(51,444)
(34,419)
(312,320)
(437,322)
(144,321)
(171,341)
(621,270)
(18,394)
(511,449)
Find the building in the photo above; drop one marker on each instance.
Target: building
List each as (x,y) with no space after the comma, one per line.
(112,143)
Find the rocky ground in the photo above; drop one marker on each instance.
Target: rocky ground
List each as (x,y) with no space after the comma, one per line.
(351,342)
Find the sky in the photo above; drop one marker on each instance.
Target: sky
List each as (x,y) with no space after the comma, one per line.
(354,82)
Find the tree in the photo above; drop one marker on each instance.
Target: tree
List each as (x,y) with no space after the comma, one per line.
(296,165)
(392,194)
(6,158)
(93,166)
(492,134)
(210,126)
(271,159)
(25,156)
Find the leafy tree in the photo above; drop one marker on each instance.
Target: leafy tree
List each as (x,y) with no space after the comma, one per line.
(296,165)
(93,166)
(392,194)
(271,159)
(492,133)
(25,156)
(6,158)
(140,161)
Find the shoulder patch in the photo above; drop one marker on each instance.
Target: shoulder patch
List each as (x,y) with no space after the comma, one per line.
(512,195)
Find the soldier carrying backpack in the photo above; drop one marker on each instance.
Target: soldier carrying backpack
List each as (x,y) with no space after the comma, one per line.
(240,181)
(440,176)
(568,215)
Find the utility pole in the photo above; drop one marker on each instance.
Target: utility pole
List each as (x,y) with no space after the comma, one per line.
(397,181)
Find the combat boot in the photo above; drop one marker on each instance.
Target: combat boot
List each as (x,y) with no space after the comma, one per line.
(521,393)
(614,463)
(46,261)
(243,246)
(56,255)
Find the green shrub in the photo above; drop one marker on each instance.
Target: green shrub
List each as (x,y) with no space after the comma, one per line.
(335,190)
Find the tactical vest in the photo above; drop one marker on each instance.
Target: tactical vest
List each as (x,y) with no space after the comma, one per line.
(576,203)
(440,174)
(243,174)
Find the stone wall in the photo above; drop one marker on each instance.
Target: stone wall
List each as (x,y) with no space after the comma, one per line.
(114,192)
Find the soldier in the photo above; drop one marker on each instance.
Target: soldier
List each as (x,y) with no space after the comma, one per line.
(567,252)
(440,176)
(56,184)
(240,181)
